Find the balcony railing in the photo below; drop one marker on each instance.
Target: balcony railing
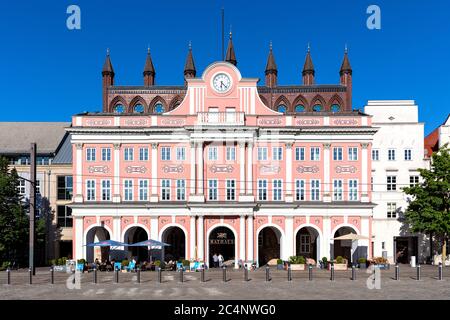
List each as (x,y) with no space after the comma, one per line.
(220,118)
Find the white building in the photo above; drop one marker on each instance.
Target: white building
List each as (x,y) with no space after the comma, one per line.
(398,151)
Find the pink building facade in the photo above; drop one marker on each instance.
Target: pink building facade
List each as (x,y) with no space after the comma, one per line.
(223,172)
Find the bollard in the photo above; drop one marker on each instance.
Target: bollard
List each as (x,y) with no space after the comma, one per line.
(181,274)
(52,275)
(245,274)
(116,275)
(440,275)
(202,275)
(159,275)
(289,272)
(8,276)
(310,270)
(224,273)
(95,275)
(73,276)
(138,271)
(30,272)
(332,272)
(397,272)
(418,272)
(267,273)
(353,273)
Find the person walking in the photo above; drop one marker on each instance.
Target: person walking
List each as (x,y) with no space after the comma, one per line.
(215,260)
(220,257)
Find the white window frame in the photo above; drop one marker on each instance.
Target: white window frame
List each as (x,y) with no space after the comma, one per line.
(213,153)
(391,212)
(407,154)
(300,154)
(231,153)
(414,181)
(277,153)
(300,190)
(128,154)
(352,154)
(106,154)
(391,185)
(277,190)
(165,189)
(375,154)
(391,155)
(106,189)
(314,156)
(230,190)
(315,190)
(128,190)
(262,189)
(165,153)
(213,189)
(143,189)
(90,190)
(262,153)
(181,153)
(21,188)
(143,154)
(90,154)
(181,189)
(338,154)
(338,190)
(353,189)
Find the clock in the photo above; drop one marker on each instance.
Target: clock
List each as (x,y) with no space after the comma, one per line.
(221,82)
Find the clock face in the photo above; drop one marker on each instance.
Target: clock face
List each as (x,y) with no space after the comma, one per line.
(221,82)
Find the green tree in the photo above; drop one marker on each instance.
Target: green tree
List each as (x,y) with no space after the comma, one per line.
(428,209)
(13,218)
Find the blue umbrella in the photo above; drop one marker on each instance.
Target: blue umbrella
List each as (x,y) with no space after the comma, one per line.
(107,243)
(149,243)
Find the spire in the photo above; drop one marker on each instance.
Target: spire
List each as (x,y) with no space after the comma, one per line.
(107,66)
(189,66)
(149,70)
(308,67)
(271,66)
(346,67)
(231,56)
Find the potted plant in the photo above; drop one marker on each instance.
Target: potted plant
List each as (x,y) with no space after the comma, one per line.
(279,264)
(297,263)
(324,263)
(362,262)
(380,262)
(340,263)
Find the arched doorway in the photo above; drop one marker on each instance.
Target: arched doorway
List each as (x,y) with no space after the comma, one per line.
(177,239)
(97,234)
(307,243)
(222,241)
(269,245)
(343,248)
(134,235)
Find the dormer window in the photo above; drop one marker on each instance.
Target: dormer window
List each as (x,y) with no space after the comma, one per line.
(119,108)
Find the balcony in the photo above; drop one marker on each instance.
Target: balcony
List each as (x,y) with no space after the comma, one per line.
(220,118)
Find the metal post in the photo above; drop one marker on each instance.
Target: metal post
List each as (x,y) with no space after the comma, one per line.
(418,272)
(95,274)
(245,274)
(440,275)
(52,275)
(32,237)
(267,273)
(116,275)
(73,276)
(397,272)
(353,273)
(181,274)
(30,272)
(310,272)
(289,273)
(202,275)
(8,276)
(159,275)
(138,275)
(332,272)
(224,274)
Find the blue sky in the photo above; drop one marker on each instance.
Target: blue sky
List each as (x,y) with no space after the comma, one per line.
(49,73)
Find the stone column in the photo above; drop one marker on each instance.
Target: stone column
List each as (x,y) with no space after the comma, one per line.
(250,239)
(288,196)
(289,243)
(79,251)
(241,168)
(242,235)
(192,177)
(154,195)
(250,168)
(200,238)
(192,237)
(79,173)
(116,189)
(200,168)
(364,174)
(326,170)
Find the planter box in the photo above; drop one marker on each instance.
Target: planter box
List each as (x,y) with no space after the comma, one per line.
(338,267)
(298,267)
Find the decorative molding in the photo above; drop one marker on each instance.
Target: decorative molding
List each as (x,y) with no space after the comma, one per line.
(269,121)
(345,122)
(173,168)
(98,169)
(178,122)
(136,169)
(327,146)
(192,143)
(241,144)
(79,146)
(269,169)
(345,169)
(136,122)
(309,122)
(221,168)
(154,145)
(116,146)
(308,169)
(94,122)
(364,145)
(250,144)
(289,145)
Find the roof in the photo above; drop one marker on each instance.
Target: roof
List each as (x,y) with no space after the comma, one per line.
(148,67)
(16,137)
(64,152)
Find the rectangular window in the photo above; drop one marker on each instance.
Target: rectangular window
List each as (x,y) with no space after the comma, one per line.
(128,190)
(337,154)
(375,155)
(128,152)
(337,190)
(231,153)
(65,187)
(181,153)
(212,190)
(352,154)
(371,183)
(262,190)
(262,154)
(64,216)
(90,154)
(300,154)
(212,154)
(143,190)
(181,190)
(165,189)
(413,181)
(90,190)
(231,190)
(106,154)
(353,190)
(315,153)
(277,188)
(106,190)
(230,115)
(391,154)
(391,183)
(300,190)
(38,186)
(165,153)
(277,153)
(305,243)
(21,187)
(143,154)
(391,210)
(315,190)
(408,154)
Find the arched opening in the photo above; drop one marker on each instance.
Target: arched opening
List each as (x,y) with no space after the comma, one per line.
(134,235)
(317,108)
(158,108)
(222,241)
(343,248)
(269,245)
(97,234)
(299,108)
(308,243)
(119,108)
(282,108)
(177,239)
(335,108)
(138,108)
